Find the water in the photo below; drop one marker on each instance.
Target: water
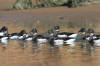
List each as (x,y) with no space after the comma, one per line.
(16,54)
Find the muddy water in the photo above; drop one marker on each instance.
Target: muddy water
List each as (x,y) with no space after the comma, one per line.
(19,54)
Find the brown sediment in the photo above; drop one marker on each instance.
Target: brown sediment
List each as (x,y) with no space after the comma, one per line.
(46,18)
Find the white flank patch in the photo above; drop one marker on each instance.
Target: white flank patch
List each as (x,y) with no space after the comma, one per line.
(41,41)
(26,35)
(94,37)
(35,34)
(87,38)
(20,37)
(29,39)
(70,42)
(97,42)
(91,34)
(73,35)
(61,36)
(58,42)
(14,37)
(51,34)
(1,33)
(4,40)
(84,33)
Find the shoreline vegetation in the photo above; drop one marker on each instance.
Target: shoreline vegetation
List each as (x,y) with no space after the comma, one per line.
(29,4)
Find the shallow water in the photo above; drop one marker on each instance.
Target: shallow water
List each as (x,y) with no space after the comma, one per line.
(17,54)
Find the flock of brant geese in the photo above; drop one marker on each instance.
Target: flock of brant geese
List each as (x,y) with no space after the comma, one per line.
(54,37)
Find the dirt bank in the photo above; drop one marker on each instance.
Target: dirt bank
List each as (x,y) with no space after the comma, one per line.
(45,18)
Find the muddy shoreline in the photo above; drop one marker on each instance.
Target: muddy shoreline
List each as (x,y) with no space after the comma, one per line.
(45,18)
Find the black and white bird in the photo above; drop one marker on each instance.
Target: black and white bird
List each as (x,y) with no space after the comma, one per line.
(4,40)
(13,36)
(56,28)
(64,34)
(40,39)
(32,34)
(37,38)
(54,40)
(69,38)
(4,31)
(34,31)
(83,35)
(95,38)
(18,36)
(70,41)
(22,35)
(29,37)
(91,38)
(62,38)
